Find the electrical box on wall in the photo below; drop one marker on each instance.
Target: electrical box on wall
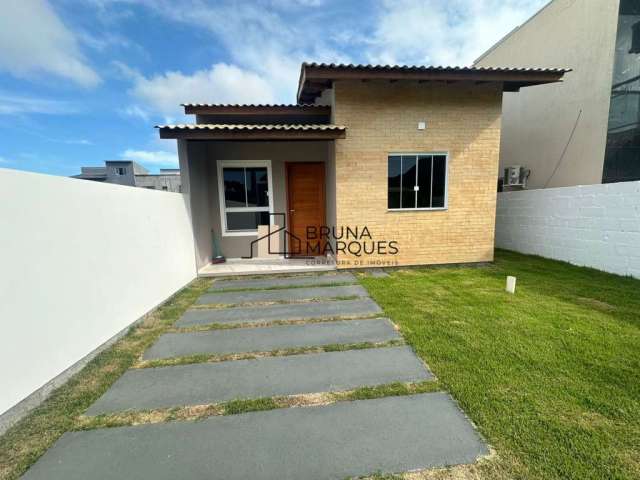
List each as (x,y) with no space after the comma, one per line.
(422,125)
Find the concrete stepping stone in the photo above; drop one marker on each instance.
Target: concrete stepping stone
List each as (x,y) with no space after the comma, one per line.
(264,339)
(295,311)
(278,282)
(203,383)
(345,439)
(282,295)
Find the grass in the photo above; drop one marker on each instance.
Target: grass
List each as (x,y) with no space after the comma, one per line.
(550,375)
(222,306)
(26,441)
(279,287)
(212,358)
(235,407)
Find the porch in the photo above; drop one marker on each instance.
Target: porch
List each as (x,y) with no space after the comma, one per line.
(252,202)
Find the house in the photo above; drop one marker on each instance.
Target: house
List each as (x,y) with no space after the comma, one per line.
(585,130)
(374,165)
(127,172)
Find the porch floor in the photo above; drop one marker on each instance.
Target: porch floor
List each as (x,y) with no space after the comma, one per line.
(264,266)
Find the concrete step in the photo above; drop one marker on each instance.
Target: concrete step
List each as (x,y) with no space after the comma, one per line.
(346,439)
(296,311)
(281,295)
(264,339)
(204,383)
(293,281)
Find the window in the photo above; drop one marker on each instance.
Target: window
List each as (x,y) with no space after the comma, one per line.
(120,171)
(245,202)
(622,154)
(417,181)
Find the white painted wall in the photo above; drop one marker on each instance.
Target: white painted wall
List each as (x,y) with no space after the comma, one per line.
(79,262)
(594,225)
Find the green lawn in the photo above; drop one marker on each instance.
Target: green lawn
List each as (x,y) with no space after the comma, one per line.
(550,375)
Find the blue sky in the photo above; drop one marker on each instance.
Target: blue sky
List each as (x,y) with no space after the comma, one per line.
(83,81)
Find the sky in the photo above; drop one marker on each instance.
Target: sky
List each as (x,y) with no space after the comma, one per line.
(83,81)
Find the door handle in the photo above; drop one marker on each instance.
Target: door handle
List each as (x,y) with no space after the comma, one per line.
(291,211)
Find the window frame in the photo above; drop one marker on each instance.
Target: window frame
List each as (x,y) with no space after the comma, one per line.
(221,165)
(446,181)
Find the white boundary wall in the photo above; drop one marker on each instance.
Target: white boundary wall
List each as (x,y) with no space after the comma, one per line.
(595,225)
(79,262)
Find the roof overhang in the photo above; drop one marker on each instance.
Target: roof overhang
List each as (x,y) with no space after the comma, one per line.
(252,132)
(314,77)
(260,110)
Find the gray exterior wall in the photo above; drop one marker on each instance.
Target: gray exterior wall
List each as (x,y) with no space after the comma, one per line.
(537,122)
(127,179)
(202,185)
(169,183)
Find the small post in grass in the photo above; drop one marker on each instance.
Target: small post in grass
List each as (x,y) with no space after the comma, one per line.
(511,284)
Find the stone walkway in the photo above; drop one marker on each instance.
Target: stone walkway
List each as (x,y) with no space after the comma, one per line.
(336,441)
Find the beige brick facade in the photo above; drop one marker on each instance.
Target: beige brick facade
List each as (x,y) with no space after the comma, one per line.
(382,118)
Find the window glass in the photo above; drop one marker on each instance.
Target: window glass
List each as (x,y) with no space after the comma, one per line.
(439,181)
(257,187)
(234,187)
(394,182)
(622,157)
(408,196)
(424,181)
(417,181)
(246,220)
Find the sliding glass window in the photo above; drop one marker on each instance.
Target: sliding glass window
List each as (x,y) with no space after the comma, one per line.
(417,181)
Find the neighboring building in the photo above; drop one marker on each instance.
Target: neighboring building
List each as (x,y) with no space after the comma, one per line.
(410,153)
(585,130)
(127,172)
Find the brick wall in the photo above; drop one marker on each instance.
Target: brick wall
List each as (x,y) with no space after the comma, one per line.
(594,225)
(382,118)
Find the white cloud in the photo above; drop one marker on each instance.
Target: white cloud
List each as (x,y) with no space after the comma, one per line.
(4,160)
(33,41)
(156,158)
(263,39)
(136,111)
(221,83)
(11,104)
(443,32)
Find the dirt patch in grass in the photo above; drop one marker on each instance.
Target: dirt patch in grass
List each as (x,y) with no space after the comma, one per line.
(26,441)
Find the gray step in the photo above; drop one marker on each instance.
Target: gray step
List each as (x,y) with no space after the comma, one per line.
(294,281)
(263,339)
(346,439)
(204,383)
(295,311)
(281,295)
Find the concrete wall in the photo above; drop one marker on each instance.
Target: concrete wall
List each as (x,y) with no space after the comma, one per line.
(537,122)
(382,118)
(202,158)
(80,262)
(168,183)
(596,225)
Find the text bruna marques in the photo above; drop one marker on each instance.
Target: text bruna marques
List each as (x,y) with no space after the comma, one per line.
(356,241)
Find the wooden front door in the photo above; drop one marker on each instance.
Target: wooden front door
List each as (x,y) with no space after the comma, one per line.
(306,207)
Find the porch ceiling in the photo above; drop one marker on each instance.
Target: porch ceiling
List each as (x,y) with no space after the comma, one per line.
(253,132)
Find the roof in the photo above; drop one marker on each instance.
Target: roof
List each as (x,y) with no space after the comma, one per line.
(315,77)
(245,108)
(253,132)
